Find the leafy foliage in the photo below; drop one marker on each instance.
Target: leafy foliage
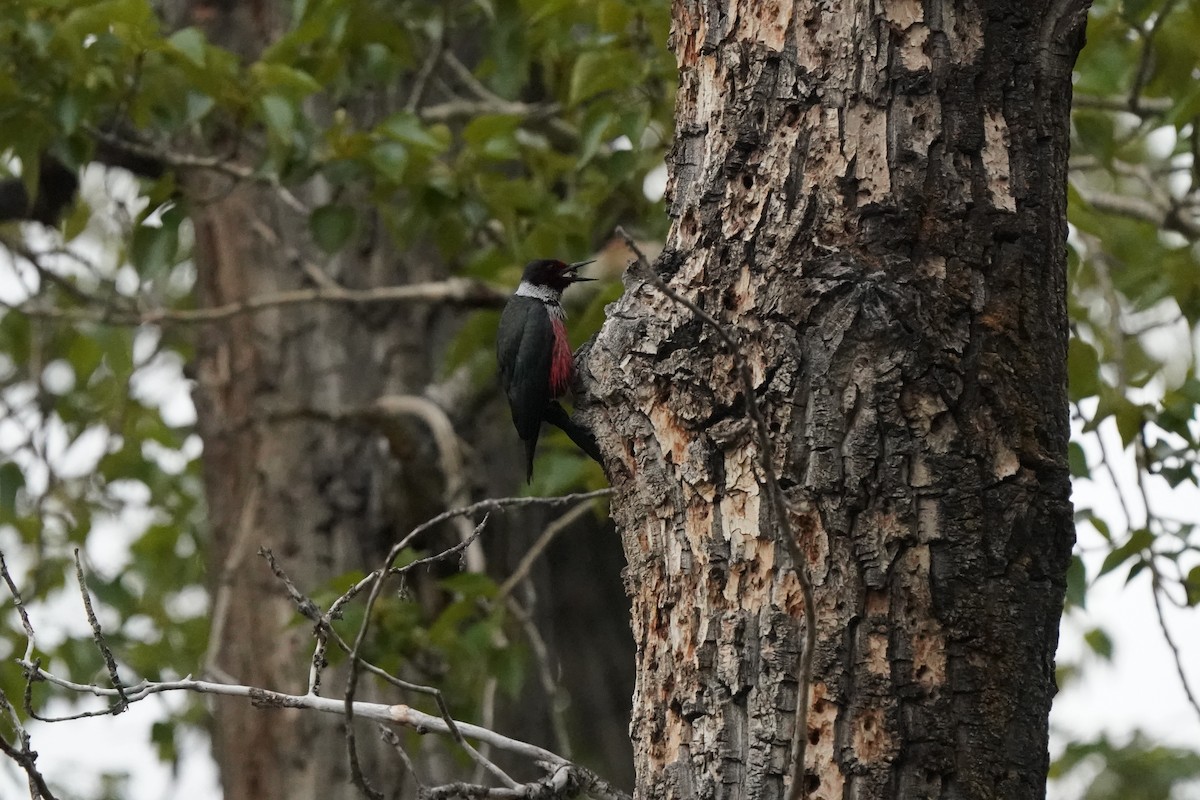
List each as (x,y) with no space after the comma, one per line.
(1137,770)
(1135,305)
(538,144)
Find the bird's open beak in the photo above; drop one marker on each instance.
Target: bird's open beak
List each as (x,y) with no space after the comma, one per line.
(573,268)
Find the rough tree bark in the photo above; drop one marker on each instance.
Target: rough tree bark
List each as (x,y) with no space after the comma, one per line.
(873,196)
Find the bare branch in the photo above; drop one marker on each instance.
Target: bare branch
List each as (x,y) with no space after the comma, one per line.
(1155,591)
(546,677)
(1145,106)
(535,551)
(237,552)
(110,662)
(389,736)
(220,164)
(450,457)
(23,753)
(1141,209)
(460,109)
(563,778)
(375,581)
(20,606)
(356,660)
(325,631)
(452,291)
(386,715)
(422,78)
(1146,60)
(265,698)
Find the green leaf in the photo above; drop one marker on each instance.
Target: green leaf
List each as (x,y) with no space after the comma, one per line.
(1186,107)
(407,128)
(1139,540)
(1077,460)
(1076,583)
(391,159)
(470,584)
(508,668)
(332,226)
(68,112)
(12,480)
(279,115)
(285,80)
(1129,418)
(598,71)
(1192,586)
(155,249)
(190,42)
(1099,643)
(1083,370)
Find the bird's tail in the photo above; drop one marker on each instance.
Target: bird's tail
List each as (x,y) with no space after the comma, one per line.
(530,449)
(557,416)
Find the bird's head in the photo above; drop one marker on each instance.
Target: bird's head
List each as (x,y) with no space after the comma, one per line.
(554,274)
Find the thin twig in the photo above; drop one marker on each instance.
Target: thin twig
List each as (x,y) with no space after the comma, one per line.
(1146,106)
(110,662)
(389,736)
(402,715)
(1177,657)
(376,583)
(356,660)
(487,718)
(20,606)
(325,632)
(233,560)
(450,457)
(1145,60)
(775,495)
(421,81)
(535,551)
(220,164)
(24,754)
(550,687)
(485,506)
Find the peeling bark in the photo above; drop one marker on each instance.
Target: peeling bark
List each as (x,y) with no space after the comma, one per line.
(873,196)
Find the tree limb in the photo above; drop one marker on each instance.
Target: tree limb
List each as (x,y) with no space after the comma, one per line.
(452,291)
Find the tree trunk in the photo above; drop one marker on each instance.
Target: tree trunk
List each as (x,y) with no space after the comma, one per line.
(873,197)
(325,497)
(328,496)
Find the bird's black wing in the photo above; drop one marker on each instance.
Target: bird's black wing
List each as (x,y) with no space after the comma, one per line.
(524,347)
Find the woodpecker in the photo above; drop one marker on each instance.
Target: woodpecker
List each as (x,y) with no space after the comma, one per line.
(535,357)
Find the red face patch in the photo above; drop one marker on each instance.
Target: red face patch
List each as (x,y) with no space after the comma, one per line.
(561,363)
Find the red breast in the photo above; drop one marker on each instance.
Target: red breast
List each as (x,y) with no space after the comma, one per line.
(561,363)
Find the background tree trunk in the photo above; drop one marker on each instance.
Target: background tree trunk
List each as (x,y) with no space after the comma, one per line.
(326,498)
(330,496)
(873,196)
